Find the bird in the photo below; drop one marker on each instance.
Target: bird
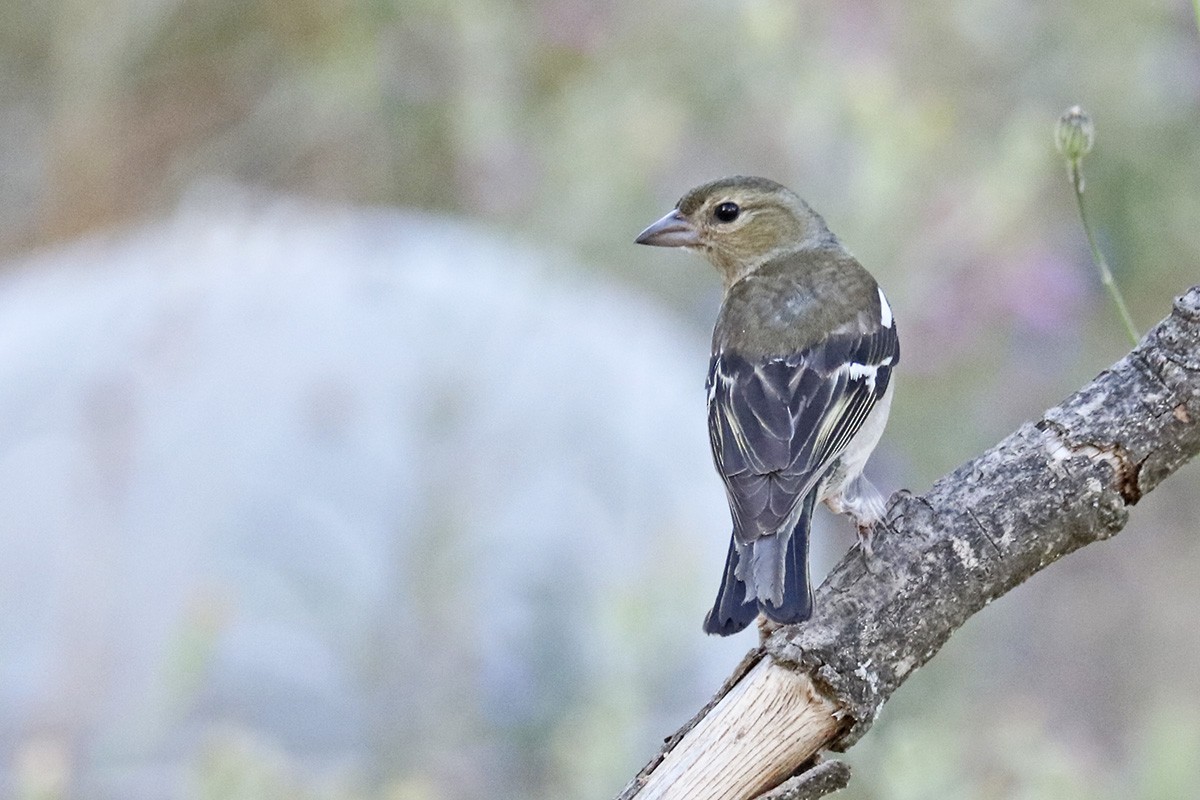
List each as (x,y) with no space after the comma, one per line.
(799,385)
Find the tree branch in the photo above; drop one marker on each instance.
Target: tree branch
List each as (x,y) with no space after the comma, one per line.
(1048,489)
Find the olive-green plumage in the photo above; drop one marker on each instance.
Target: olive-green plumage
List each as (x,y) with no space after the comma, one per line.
(786,247)
(795,300)
(799,383)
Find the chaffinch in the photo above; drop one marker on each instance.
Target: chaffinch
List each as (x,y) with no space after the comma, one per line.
(799,384)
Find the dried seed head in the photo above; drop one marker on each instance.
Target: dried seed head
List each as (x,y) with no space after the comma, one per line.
(1075,133)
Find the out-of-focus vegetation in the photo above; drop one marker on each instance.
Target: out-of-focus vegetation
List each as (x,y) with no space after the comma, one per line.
(923,133)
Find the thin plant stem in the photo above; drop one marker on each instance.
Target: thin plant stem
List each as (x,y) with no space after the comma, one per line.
(1106,276)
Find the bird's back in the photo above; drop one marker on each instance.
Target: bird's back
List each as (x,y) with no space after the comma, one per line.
(785,305)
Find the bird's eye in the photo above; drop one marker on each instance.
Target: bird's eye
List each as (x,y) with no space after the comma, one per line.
(727,212)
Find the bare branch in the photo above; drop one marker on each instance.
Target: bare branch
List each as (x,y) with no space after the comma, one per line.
(1048,489)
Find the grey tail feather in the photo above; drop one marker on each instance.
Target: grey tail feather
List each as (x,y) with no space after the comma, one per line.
(797,603)
(733,611)
(768,568)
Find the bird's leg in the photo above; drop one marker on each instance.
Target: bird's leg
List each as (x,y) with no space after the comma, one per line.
(766,627)
(863,503)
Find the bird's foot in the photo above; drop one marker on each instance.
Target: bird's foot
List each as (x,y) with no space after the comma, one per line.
(766,627)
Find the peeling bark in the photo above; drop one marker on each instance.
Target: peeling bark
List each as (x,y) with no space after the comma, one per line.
(1048,489)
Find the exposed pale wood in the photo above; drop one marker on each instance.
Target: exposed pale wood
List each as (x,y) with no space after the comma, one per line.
(752,740)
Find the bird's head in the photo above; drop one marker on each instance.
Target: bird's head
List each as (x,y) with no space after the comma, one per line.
(739,224)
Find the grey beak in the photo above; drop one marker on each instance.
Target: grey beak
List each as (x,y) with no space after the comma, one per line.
(673,230)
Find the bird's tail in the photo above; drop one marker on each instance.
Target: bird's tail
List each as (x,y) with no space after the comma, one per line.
(737,605)
(732,611)
(797,602)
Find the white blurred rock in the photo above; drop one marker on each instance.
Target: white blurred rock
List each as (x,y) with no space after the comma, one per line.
(376,485)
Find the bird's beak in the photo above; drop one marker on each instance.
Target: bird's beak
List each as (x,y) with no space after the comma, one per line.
(673,230)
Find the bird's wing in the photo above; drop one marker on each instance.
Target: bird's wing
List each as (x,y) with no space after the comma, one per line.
(777,425)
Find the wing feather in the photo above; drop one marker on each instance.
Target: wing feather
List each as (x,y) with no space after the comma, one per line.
(777,425)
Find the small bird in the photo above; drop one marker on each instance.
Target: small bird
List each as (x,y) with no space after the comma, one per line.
(799,385)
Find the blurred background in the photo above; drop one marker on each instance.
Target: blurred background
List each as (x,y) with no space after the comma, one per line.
(350,449)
